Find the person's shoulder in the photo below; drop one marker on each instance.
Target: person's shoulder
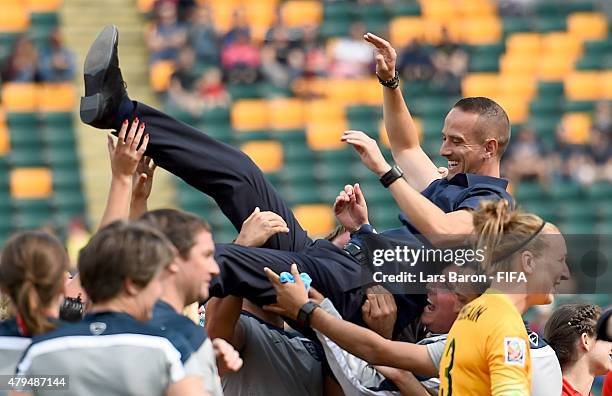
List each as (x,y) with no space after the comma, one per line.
(170,322)
(9,328)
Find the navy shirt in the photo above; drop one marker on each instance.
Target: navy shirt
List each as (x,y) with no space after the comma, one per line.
(463,191)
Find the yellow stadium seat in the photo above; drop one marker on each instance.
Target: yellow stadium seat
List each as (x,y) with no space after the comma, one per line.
(577,127)
(4,140)
(222,14)
(324,110)
(370,92)
(20,96)
(481,30)
(302,12)
(516,107)
(31,183)
(2,118)
(14,18)
(403,30)
(286,113)
(588,25)
(438,10)
(317,219)
(554,68)
(267,154)
(343,91)
(250,114)
(260,16)
(160,75)
(562,44)
(433,30)
(384,138)
(530,43)
(325,135)
(513,85)
(145,5)
(606,78)
(44,5)
(476,8)
(480,84)
(57,97)
(518,63)
(583,86)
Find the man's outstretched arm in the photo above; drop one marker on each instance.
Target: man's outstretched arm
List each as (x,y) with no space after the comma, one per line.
(430,220)
(419,170)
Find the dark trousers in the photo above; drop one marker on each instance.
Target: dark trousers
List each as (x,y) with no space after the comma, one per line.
(237,185)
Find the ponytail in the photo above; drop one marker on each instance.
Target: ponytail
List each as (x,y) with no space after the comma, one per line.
(32,269)
(502,232)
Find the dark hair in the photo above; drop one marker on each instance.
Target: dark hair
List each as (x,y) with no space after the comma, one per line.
(335,233)
(179,227)
(32,270)
(602,326)
(565,327)
(492,122)
(502,232)
(121,251)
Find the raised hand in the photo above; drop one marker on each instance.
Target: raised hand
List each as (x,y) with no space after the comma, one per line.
(142,180)
(368,151)
(350,208)
(228,359)
(385,56)
(259,227)
(290,297)
(129,149)
(380,311)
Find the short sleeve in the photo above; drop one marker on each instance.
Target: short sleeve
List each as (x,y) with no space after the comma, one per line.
(435,351)
(477,194)
(509,359)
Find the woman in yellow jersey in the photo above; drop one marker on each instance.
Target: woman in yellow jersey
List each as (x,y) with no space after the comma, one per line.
(487,351)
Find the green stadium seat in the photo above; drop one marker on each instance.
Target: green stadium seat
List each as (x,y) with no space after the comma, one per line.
(7,39)
(363,113)
(550,23)
(545,126)
(482,63)
(577,212)
(32,213)
(68,205)
(26,157)
(57,119)
(545,106)
(591,62)
(62,156)
(528,191)
(433,106)
(550,89)
(243,91)
(297,152)
(572,6)
(57,138)
(600,192)
(545,210)
(67,181)
(334,28)
(42,25)
(407,8)
(298,173)
(338,10)
(22,120)
(579,106)
(296,194)
(24,138)
(577,227)
(567,191)
(516,24)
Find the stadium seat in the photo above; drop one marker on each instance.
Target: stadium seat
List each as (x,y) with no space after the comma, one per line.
(588,25)
(317,220)
(59,97)
(606,79)
(160,74)
(480,84)
(268,155)
(286,113)
(554,68)
(343,91)
(516,106)
(583,85)
(404,30)
(14,18)
(27,183)
(323,110)
(530,43)
(325,135)
(481,30)
(521,64)
(438,10)
(4,140)
(523,87)
(577,126)
(145,6)
(562,44)
(370,92)
(43,5)
(249,114)
(302,12)
(19,97)
(476,8)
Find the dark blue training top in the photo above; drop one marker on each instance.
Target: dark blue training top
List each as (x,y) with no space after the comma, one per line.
(167,319)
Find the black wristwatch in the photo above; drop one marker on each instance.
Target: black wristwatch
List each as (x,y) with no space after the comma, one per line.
(388,178)
(307,309)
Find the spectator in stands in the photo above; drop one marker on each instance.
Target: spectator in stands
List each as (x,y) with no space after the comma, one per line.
(414,62)
(183,83)
(167,35)
(315,62)
(603,118)
(526,158)
(240,27)
(22,64)
(241,59)
(450,62)
(56,60)
(351,56)
(282,60)
(571,331)
(212,91)
(203,37)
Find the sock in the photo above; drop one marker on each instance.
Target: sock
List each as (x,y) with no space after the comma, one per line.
(124,112)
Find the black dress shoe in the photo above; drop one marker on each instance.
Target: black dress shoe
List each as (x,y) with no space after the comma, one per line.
(104,86)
